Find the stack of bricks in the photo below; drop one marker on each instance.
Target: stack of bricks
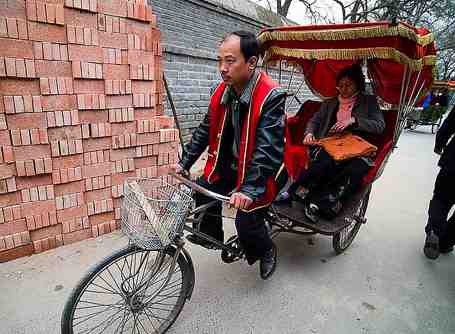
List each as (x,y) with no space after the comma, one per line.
(81,110)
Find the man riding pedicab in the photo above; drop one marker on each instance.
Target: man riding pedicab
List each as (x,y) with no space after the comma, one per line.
(244,132)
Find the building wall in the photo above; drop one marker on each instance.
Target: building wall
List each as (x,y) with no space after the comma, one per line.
(81,109)
(191,31)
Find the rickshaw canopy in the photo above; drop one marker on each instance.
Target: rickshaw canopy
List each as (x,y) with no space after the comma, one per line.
(394,54)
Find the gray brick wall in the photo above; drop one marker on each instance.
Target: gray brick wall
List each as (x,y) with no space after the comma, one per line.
(191,31)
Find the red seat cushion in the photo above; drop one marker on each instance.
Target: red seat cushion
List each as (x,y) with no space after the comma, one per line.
(295,153)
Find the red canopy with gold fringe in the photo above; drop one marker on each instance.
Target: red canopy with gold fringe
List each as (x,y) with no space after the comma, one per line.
(323,50)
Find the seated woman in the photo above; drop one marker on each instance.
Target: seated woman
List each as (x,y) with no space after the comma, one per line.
(327,183)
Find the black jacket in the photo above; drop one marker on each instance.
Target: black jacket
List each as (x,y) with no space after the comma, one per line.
(268,155)
(445,132)
(369,119)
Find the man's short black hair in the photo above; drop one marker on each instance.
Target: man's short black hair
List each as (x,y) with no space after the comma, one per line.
(249,45)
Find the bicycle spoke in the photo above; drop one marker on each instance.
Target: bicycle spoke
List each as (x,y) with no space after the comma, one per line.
(139,320)
(113,289)
(91,315)
(151,322)
(101,287)
(123,323)
(90,330)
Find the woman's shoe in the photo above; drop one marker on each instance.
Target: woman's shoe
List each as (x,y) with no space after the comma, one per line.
(284,198)
(311,212)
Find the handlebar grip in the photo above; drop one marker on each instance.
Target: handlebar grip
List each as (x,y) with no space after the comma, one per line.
(199,188)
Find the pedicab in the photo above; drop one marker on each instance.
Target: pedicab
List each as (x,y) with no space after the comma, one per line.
(143,287)
(433,112)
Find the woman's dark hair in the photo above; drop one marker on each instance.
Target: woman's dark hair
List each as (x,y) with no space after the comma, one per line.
(355,73)
(249,45)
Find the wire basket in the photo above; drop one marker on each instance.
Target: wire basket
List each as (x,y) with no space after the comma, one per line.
(153,211)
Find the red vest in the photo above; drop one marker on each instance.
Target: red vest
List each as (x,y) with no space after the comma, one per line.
(217,119)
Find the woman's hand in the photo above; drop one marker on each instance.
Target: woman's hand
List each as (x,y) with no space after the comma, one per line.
(309,139)
(342,125)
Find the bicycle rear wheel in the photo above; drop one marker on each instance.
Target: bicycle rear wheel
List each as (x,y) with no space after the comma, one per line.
(113,298)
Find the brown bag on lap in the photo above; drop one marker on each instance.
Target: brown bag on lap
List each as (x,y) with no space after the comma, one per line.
(347,146)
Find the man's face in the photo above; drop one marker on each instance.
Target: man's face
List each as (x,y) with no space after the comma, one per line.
(233,67)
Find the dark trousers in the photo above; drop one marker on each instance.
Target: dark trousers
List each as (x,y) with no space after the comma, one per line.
(325,174)
(252,232)
(440,205)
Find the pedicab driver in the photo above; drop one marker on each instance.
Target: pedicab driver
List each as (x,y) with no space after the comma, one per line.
(244,132)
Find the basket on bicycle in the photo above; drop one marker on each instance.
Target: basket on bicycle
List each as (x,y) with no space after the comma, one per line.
(153,212)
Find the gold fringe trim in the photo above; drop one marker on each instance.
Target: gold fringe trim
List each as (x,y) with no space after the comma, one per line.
(347,34)
(352,54)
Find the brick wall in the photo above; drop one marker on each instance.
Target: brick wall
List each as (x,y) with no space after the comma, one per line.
(81,109)
(192,30)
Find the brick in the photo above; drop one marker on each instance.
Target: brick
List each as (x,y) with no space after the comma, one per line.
(93,5)
(71,33)
(45,68)
(11,25)
(31,10)
(19,104)
(69,86)
(34,136)
(85,53)
(59,15)
(22,29)
(44,86)
(87,39)
(64,52)
(20,68)
(61,86)
(50,13)
(8,155)
(37,103)
(56,52)
(10,64)
(46,32)
(2,67)
(59,102)
(53,86)
(114,7)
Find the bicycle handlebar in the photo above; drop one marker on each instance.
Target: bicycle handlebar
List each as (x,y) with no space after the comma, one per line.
(200,189)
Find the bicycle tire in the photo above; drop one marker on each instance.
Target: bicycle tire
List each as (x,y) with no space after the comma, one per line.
(339,243)
(67,321)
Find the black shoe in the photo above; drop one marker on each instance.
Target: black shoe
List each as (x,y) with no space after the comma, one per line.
(311,212)
(268,263)
(195,239)
(283,198)
(445,249)
(431,248)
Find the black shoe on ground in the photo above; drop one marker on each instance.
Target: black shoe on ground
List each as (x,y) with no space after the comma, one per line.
(431,248)
(268,263)
(195,239)
(445,249)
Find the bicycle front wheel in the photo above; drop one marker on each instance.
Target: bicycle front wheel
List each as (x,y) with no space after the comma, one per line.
(131,291)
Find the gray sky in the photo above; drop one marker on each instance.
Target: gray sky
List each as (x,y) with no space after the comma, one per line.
(297,10)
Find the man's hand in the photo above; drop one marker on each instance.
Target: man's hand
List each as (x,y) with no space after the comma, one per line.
(342,125)
(309,139)
(240,201)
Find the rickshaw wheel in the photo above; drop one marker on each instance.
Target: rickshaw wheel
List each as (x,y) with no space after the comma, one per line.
(229,257)
(343,239)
